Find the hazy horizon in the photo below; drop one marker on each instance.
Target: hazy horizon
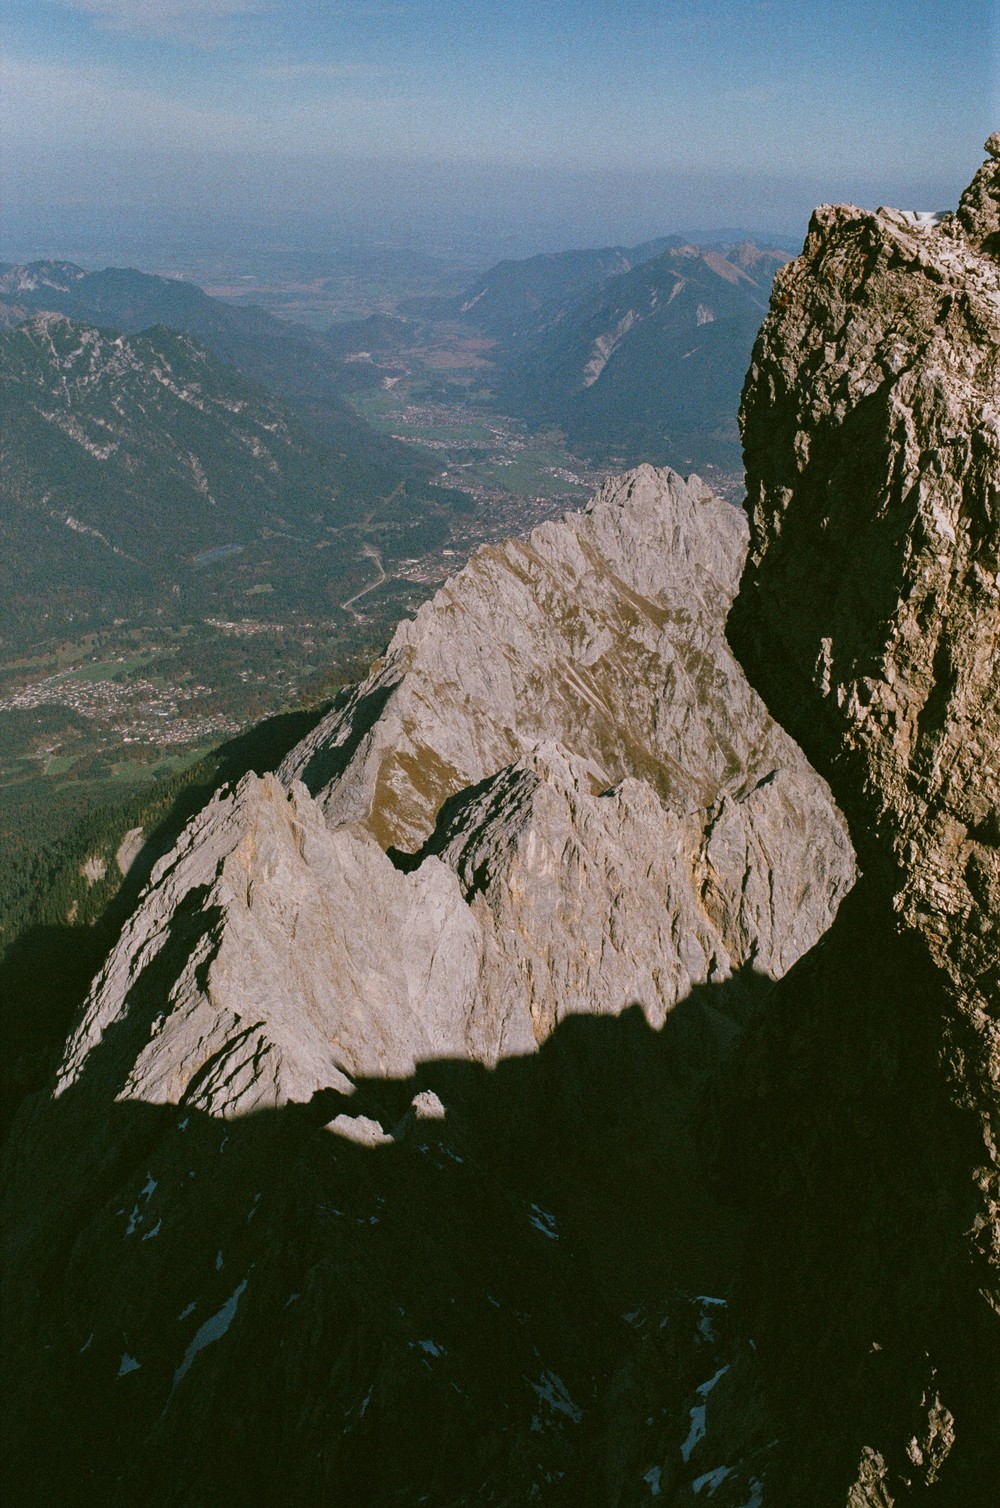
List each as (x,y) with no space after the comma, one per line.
(230,127)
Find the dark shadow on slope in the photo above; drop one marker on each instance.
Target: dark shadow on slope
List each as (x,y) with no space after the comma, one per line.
(438,1319)
(329,761)
(511,1304)
(863,1175)
(810,591)
(851,1164)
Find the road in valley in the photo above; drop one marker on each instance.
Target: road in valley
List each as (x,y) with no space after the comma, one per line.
(348,605)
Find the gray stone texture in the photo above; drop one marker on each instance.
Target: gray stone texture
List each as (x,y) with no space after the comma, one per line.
(585,807)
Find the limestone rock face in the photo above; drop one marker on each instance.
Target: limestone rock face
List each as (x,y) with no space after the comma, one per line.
(372,1171)
(979,210)
(871,605)
(604,631)
(869,615)
(585,807)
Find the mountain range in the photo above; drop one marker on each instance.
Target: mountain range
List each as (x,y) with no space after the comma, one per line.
(635,354)
(543,1080)
(511,300)
(129,460)
(649,363)
(151,425)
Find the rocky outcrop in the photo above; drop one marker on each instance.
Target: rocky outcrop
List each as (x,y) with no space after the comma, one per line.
(413,1144)
(371,1172)
(869,617)
(555,795)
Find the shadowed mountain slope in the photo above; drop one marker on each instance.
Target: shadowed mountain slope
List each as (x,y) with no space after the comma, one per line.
(383,1111)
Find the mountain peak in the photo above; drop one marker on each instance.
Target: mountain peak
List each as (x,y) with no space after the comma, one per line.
(979,208)
(570,690)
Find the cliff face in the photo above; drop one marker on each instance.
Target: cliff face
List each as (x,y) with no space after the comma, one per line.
(556,795)
(371,1172)
(869,617)
(870,607)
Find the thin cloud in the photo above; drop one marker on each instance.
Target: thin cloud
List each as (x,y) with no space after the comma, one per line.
(45,104)
(320,72)
(197,21)
(59,102)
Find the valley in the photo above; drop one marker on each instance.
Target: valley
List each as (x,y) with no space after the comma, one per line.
(349,466)
(499,755)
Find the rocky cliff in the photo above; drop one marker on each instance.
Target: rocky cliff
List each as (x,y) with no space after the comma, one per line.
(385,1099)
(869,616)
(555,795)
(509,1099)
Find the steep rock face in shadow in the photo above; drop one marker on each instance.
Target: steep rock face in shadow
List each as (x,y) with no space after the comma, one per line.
(521,1297)
(371,1174)
(869,617)
(602,813)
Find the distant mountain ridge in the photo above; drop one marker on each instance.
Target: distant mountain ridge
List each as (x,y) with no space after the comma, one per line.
(284,357)
(635,353)
(125,457)
(510,300)
(132,301)
(650,362)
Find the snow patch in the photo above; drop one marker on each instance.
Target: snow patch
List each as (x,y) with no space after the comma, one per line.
(697,1429)
(695,1433)
(212,1330)
(145,1194)
(430,1347)
(712,1479)
(543,1221)
(706,1328)
(553,1391)
(128,1364)
(707,1387)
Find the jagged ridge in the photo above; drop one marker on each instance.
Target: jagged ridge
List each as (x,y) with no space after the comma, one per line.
(587,800)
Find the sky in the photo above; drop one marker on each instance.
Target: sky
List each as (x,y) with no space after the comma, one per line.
(557,122)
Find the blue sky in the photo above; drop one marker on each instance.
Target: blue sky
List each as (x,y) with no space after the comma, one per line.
(690,112)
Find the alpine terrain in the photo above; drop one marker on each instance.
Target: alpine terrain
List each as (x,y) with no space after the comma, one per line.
(548,1083)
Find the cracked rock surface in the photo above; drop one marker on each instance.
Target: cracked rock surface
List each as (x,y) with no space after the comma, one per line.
(585,807)
(869,617)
